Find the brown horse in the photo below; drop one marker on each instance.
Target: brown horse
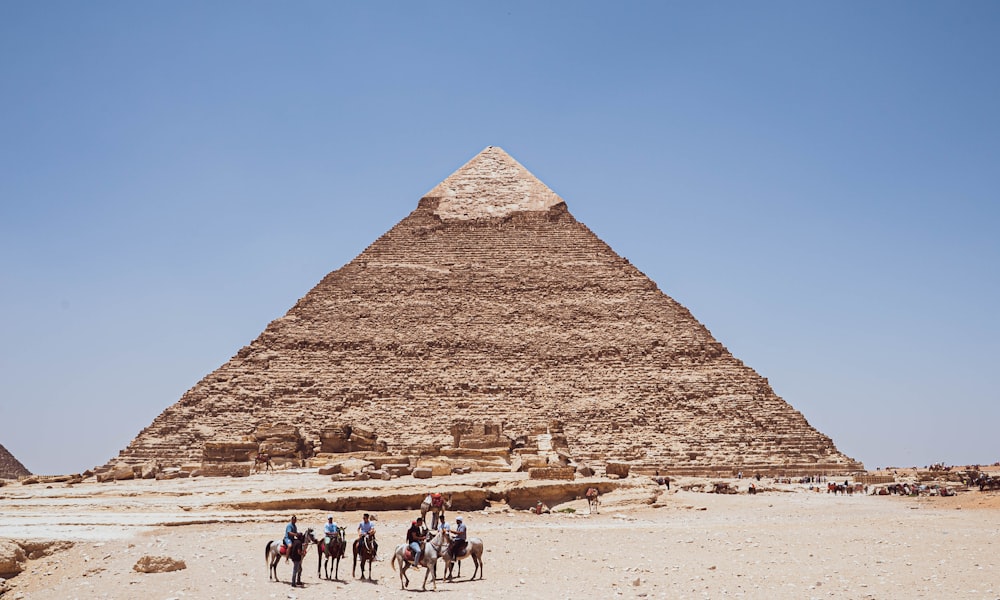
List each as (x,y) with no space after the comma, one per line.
(593,499)
(262,461)
(364,549)
(330,554)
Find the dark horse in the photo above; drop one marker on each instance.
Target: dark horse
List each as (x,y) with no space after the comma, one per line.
(330,554)
(262,462)
(364,548)
(272,555)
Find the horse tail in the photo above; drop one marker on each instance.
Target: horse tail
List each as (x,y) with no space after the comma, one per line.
(267,553)
(392,563)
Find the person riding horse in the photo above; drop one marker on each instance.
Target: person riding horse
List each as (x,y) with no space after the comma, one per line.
(415,538)
(459,537)
(330,532)
(366,530)
(291,531)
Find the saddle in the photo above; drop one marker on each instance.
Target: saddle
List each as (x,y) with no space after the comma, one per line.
(437,500)
(283,550)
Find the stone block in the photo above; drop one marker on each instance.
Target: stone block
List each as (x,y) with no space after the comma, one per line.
(618,469)
(423,473)
(398,469)
(551,473)
(158,564)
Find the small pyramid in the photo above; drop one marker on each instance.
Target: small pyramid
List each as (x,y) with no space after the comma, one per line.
(10,467)
(489,309)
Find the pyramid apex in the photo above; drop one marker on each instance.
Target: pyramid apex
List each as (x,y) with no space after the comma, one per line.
(492,184)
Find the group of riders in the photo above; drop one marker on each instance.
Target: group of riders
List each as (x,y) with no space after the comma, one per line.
(416,536)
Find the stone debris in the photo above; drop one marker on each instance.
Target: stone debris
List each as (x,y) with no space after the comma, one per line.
(158,564)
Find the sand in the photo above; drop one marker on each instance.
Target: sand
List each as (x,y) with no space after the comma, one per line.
(786,542)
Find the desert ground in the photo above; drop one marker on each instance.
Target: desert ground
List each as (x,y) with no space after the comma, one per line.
(644,542)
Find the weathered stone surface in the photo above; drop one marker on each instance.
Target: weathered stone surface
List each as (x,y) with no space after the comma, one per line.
(10,467)
(380,474)
(118,473)
(490,304)
(423,473)
(353,465)
(551,473)
(12,557)
(437,467)
(617,469)
(158,564)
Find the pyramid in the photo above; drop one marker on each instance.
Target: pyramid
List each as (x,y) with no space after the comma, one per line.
(489,309)
(10,467)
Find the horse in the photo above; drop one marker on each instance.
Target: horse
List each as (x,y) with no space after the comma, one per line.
(593,499)
(272,553)
(473,548)
(262,460)
(437,511)
(330,554)
(428,559)
(363,548)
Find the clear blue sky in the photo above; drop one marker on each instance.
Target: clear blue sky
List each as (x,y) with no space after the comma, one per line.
(817,182)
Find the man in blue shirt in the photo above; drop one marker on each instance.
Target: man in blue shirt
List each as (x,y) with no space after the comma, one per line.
(291,531)
(459,534)
(367,529)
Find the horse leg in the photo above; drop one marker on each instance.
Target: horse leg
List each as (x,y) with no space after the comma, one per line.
(427,573)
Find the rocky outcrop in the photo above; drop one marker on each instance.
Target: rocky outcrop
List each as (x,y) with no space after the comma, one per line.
(492,307)
(15,554)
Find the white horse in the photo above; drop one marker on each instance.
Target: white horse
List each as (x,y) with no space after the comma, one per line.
(428,560)
(272,553)
(473,548)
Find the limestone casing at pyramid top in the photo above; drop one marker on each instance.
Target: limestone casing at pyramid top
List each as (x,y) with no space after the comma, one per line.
(491,185)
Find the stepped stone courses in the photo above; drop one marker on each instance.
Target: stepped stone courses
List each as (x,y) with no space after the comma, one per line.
(10,467)
(489,313)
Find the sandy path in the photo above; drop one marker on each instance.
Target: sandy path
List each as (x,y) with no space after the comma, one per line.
(774,545)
